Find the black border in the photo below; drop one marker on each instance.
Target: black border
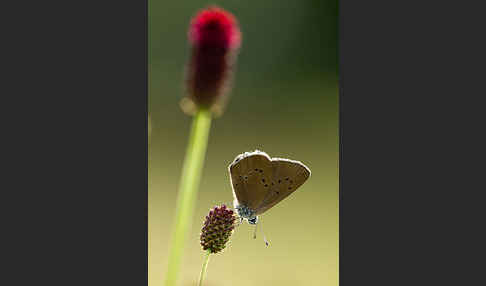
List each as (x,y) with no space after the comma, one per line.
(410,114)
(75,115)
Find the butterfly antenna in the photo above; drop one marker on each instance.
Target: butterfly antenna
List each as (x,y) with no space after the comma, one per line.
(266,241)
(264,237)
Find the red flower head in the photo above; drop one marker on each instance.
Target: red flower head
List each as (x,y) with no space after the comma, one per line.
(216,28)
(215,38)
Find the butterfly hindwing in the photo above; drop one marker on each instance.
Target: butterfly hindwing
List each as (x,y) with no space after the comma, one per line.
(250,174)
(287,177)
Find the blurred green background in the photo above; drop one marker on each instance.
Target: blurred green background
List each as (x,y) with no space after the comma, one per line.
(284,102)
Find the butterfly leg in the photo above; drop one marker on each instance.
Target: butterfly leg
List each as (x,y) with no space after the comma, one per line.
(255,232)
(240,221)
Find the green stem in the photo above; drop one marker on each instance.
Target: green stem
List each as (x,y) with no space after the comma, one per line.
(188,187)
(204,266)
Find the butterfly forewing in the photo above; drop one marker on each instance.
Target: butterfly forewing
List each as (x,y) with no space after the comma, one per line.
(287,177)
(251,174)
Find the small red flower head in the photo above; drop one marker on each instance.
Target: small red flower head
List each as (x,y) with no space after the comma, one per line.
(215,39)
(217,228)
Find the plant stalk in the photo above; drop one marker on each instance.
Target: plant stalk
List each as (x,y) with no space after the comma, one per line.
(188,187)
(204,266)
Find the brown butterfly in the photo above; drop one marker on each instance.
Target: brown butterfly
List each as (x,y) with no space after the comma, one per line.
(260,182)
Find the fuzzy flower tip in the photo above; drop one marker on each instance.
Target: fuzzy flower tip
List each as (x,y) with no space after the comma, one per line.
(215,38)
(218,227)
(215,27)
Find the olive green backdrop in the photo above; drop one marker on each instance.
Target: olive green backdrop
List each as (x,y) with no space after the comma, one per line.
(284,102)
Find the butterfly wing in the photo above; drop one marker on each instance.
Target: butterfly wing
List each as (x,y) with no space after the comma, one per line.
(250,175)
(287,177)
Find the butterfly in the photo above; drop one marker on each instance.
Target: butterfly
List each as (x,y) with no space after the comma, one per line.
(260,182)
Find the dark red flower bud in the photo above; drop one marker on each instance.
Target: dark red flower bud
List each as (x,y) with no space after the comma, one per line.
(217,229)
(215,38)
